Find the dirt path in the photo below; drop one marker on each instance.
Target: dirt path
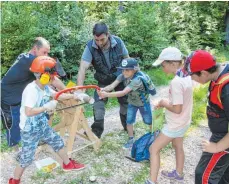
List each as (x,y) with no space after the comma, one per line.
(122,170)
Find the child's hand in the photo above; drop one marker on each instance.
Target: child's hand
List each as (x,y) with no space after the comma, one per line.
(82,97)
(209,147)
(102,94)
(162,103)
(51,105)
(156,106)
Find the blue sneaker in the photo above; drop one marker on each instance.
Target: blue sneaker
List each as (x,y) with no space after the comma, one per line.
(129,144)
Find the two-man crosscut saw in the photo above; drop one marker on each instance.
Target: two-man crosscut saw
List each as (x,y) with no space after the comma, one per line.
(72,90)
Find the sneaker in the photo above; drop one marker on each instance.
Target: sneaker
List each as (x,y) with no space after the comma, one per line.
(149,182)
(172,175)
(13,181)
(73,165)
(129,144)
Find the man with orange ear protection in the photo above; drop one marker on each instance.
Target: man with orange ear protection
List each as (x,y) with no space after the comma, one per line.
(37,100)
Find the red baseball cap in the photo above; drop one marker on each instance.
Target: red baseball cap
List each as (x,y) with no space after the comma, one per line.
(201,60)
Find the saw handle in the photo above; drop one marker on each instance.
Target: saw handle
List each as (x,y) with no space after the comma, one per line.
(75,89)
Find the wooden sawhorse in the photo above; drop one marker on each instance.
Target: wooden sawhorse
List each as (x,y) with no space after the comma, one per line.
(72,121)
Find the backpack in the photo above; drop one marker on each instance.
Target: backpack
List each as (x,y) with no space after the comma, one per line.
(140,149)
(147,83)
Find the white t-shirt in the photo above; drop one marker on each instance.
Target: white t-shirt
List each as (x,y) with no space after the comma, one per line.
(32,96)
(180,92)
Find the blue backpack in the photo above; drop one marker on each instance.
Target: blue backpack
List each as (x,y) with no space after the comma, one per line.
(147,83)
(140,149)
(149,87)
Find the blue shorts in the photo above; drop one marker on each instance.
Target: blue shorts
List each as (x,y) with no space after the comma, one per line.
(30,137)
(176,133)
(145,111)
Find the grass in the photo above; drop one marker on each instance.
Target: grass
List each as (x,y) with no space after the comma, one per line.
(40,177)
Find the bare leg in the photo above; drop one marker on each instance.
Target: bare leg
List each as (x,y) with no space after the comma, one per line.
(178,145)
(18,172)
(159,143)
(63,155)
(130,130)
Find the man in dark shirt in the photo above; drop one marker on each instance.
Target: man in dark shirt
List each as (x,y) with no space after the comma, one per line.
(13,84)
(105,52)
(213,166)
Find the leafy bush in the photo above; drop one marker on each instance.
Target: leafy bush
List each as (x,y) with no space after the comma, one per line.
(59,22)
(195,25)
(142,32)
(145,27)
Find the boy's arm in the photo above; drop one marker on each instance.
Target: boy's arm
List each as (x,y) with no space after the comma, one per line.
(212,147)
(64,96)
(34,111)
(223,144)
(125,91)
(111,86)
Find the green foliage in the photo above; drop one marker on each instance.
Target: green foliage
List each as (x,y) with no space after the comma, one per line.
(195,25)
(59,22)
(145,27)
(199,104)
(158,76)
(142,32)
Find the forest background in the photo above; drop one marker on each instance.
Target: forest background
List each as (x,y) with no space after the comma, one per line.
(145,27)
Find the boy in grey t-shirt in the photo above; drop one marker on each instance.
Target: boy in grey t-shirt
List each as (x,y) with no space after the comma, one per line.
(138,99)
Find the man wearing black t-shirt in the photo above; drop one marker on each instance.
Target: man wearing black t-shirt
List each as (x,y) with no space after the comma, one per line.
(213,166)
(13,84)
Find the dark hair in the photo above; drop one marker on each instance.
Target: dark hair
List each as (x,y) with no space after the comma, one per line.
(100,28)
(40,42)
(210,70)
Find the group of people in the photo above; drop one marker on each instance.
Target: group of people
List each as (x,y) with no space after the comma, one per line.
(27,97)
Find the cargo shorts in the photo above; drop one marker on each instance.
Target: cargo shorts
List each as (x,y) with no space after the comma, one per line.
(34,132)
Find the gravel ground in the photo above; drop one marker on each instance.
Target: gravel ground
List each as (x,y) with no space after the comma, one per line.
(124,169)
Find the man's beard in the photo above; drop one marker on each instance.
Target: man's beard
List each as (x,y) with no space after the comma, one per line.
(105,46)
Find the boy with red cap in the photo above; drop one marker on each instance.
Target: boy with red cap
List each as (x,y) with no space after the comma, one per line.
(213,166)
(36,102)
